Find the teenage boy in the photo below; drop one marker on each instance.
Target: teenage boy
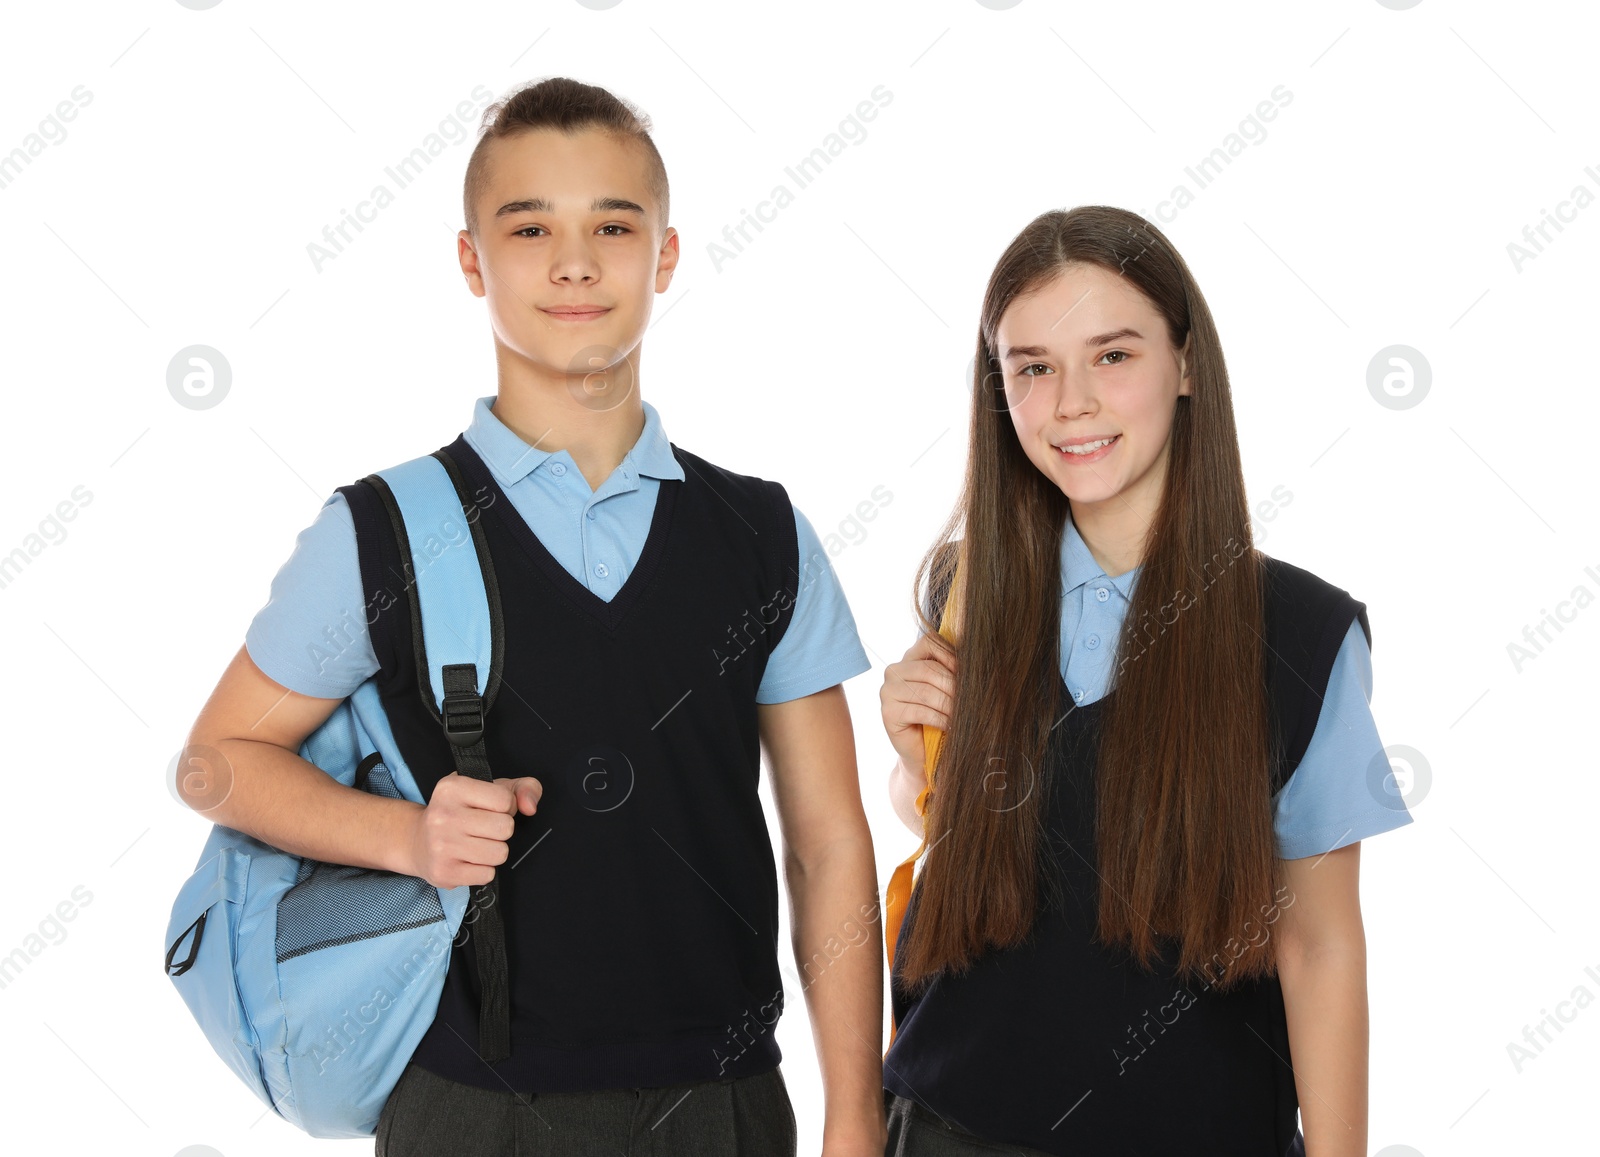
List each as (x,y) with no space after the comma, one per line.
(666,621)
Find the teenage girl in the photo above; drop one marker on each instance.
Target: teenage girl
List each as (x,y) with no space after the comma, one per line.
(1137,928)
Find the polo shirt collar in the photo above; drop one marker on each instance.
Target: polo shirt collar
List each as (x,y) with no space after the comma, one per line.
(1079,567)
(511,459)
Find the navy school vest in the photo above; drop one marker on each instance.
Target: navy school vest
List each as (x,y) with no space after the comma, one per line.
(640,901)
(1065,1046)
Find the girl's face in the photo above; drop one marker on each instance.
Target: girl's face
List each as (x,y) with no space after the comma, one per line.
(1086,358)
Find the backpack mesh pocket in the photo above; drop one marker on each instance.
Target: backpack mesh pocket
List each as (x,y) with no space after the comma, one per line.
(335,903)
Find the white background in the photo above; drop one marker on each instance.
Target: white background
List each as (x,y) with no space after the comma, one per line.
(829,355)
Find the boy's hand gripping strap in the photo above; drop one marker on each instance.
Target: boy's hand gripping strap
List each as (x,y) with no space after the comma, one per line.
(898,893)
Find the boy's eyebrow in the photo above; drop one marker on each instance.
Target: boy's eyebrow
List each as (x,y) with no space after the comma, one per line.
(1036,351)
(598,205)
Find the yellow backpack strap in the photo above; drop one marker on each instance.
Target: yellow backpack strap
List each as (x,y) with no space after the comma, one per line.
(898,893)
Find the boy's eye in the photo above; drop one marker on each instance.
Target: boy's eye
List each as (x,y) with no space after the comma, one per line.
(621,229)
(523,232)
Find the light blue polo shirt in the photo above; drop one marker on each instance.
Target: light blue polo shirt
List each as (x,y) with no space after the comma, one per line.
(1327,803)
(312,634)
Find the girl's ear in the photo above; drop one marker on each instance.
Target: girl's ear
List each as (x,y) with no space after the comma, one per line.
(1185,386)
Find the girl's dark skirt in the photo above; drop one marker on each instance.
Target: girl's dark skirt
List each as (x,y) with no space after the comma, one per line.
(915,1132)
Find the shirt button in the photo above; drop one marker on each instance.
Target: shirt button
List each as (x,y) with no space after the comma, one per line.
(1092,642)
(590,514)
(1101,593)
(1078,694)
(600,569)
(557,469)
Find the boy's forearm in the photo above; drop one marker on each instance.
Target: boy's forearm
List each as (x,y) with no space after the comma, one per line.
(281,799)
(837,933)
(1325,998)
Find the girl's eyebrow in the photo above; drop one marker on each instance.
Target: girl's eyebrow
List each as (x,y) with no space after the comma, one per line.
(598,205)
(1035,351)
(1114,335)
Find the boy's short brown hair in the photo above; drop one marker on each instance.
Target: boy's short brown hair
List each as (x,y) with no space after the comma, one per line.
(558,102)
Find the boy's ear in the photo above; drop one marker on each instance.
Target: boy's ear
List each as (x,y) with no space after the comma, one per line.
(667,259)
(467,255)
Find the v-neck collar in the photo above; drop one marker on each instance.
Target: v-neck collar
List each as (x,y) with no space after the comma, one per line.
(608,613)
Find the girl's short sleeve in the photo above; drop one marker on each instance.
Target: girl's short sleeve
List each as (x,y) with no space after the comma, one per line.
(1335,796)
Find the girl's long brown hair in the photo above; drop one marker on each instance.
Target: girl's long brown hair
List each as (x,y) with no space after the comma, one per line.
(1185,847)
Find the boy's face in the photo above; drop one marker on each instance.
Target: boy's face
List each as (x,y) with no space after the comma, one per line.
(570,250)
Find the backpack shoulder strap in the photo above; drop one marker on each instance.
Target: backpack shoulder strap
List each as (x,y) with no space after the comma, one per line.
(898,893)
(458,637)
(455,597)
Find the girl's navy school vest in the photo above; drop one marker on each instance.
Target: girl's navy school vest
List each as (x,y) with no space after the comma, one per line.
(1065,1046)
(640,901)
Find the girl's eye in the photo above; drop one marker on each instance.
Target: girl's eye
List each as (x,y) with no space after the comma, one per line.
(1027,370)
(1122,353)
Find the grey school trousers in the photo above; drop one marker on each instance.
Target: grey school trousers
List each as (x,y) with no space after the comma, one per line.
(427,1116)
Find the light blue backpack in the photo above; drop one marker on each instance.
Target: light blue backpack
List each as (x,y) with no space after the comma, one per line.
(315,981)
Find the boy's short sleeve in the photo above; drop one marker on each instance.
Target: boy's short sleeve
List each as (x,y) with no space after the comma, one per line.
(1330,800)
(820,646)
(312,634)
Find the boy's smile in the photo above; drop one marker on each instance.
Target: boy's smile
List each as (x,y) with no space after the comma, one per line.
(575,312)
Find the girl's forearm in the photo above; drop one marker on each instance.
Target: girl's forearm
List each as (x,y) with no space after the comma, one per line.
(1325,998)
(904,786)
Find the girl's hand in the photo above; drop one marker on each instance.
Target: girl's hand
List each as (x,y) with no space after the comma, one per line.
(919,689)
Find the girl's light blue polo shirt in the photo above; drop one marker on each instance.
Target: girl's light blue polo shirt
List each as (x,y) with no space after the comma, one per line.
(1327,802)
(312,634)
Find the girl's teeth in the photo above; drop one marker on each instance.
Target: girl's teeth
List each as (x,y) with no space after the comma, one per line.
(1088,447)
